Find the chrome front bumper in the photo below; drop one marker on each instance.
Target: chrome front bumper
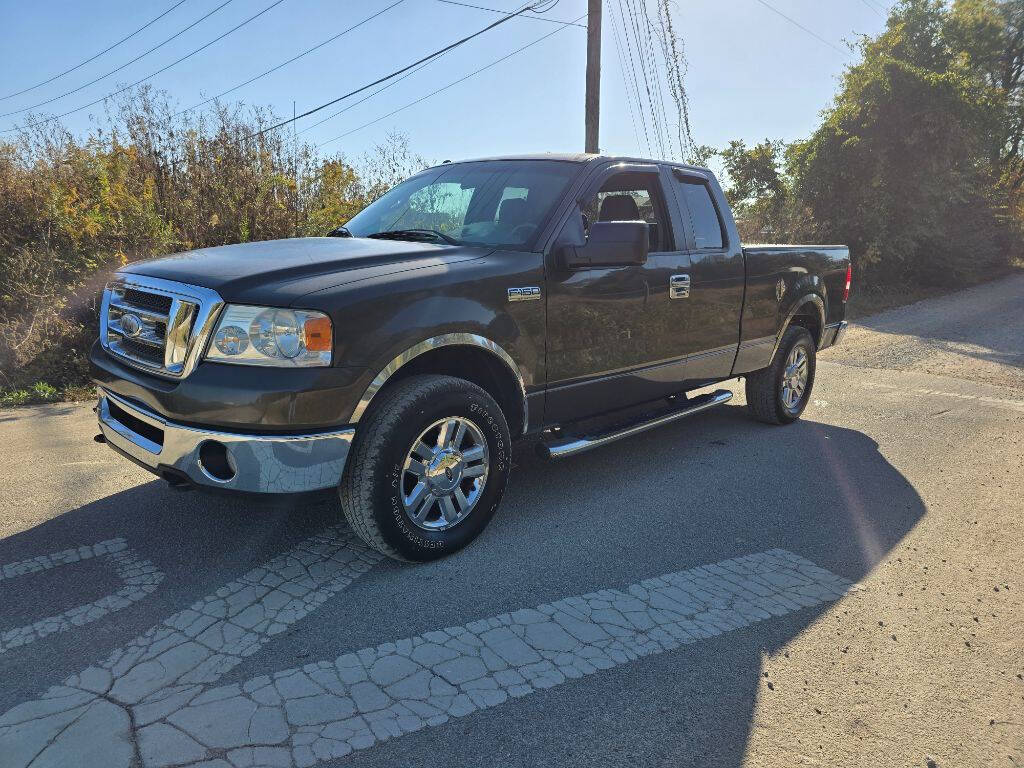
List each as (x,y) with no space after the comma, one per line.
(254,463)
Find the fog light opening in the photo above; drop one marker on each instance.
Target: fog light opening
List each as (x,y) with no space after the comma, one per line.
(216,462)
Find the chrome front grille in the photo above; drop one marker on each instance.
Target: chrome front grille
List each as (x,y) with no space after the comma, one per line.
(157,325)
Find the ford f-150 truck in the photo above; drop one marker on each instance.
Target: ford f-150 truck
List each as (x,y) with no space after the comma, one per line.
(567,299)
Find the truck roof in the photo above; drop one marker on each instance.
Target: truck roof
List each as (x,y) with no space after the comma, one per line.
(578,157)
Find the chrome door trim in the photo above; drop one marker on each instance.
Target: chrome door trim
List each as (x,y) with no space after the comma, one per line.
(444,340)
(679,287)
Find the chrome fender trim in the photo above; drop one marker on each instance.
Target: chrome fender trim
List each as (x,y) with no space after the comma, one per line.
(810,298)
(445,340)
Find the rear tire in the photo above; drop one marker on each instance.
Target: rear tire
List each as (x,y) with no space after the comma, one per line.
(779,393)
(428,468)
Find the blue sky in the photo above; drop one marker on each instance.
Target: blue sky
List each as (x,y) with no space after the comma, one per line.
(752,74)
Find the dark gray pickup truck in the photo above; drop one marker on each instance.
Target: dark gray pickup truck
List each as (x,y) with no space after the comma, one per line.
(570,299)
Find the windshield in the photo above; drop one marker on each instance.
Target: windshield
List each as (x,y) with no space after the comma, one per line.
(495,203)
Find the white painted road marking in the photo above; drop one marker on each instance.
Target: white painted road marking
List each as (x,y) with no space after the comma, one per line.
(328,709)
(1016,405)
(1003,402)
(139,578)
(86,721)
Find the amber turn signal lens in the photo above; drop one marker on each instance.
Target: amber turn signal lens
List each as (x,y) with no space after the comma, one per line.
(317,331)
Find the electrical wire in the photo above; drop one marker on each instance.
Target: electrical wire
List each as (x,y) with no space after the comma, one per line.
(641,56)
(796,23)
(641,111)
(455,82)
(147,77)
(410,73)
(656,70)
(292,59)
(367,97)
(428,57)
(872,7)
(622,72)
(524,16)
(96,56)
(123,66)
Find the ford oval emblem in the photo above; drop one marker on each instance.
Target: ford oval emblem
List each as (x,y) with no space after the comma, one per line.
(131,325)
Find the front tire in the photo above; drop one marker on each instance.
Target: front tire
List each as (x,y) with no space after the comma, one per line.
(428,468)
(779,393)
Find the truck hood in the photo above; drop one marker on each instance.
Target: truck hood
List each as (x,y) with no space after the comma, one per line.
(280,272)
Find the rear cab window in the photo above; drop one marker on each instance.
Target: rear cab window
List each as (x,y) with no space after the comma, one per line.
(699,208)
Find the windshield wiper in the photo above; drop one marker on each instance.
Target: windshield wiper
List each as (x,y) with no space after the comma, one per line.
(414,234)
(339,232)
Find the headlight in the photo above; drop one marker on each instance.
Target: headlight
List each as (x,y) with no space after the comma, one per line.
(268,336)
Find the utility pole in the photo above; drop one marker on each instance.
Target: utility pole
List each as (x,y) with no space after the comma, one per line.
(593,99)
(295,168)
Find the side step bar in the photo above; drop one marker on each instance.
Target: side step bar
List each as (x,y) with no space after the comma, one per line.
(569,446)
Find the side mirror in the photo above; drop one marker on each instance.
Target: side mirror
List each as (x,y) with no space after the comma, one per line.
(611,244)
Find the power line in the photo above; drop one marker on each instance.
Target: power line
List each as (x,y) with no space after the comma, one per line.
(796,23)
(657,78)
(428,57)
(154,74)
(636,83)
(524,16)
(622,72)
(872,7)
(507,56)
(289,61)
(369,96)
(123,66)
(642,56)
(410,73)
(96,56)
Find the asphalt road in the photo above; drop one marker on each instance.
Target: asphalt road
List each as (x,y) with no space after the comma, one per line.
(844,591)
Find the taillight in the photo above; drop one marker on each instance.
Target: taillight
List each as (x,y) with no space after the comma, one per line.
(846,288)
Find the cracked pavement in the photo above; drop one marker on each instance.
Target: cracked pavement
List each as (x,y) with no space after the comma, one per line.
(714,593)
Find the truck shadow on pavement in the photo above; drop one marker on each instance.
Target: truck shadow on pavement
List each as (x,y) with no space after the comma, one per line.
(711,488)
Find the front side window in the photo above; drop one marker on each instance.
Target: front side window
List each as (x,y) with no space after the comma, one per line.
(707,227)
(493,203)
(632,197)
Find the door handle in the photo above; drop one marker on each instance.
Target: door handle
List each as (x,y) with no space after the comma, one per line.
(679,287)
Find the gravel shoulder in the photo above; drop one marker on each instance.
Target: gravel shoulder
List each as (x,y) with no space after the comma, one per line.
(976,334)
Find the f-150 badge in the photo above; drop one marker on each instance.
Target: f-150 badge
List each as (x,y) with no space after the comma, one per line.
(529,293)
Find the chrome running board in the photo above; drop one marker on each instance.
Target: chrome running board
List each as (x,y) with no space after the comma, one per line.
(569,446)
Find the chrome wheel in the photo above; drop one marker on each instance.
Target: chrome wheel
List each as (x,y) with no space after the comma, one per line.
(794,378)
(445,473)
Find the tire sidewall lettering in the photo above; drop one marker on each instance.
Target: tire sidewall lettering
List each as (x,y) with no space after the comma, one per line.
(404,535)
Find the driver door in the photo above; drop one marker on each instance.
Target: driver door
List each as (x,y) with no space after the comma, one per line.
(615,337)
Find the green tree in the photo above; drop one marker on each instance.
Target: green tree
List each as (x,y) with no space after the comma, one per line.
(905,166)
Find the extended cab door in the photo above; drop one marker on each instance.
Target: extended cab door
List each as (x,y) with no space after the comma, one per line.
(716,272)
(615,338)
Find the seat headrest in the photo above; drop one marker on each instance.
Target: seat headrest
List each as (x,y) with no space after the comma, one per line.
(619,208)
(513,211)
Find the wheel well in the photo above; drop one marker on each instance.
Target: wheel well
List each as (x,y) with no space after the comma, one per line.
(478,366)
(808,317)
